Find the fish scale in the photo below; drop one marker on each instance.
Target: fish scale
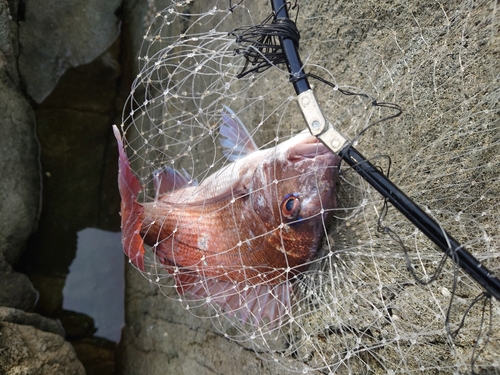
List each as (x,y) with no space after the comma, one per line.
(226,251)
(231,239)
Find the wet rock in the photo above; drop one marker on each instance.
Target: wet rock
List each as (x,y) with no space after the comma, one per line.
(8,44)
(57,35)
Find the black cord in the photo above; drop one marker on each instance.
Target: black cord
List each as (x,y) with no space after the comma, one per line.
(262,49)
(260,44)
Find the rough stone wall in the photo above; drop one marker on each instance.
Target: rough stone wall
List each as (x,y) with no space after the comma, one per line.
(19,170)
(28,342)
(39,42)
(32,344)
(160,336)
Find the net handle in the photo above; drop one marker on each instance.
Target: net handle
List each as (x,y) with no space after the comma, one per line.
(337,143)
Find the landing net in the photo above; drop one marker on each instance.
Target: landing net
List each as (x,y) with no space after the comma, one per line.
(354,307)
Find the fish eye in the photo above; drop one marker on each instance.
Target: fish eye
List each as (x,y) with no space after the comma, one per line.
(290,206)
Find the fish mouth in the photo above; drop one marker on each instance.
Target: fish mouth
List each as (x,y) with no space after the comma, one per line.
(308,148)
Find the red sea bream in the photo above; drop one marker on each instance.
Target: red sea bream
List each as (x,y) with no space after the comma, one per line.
(241,236)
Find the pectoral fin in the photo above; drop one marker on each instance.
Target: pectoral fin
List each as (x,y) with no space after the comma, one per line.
(250,304)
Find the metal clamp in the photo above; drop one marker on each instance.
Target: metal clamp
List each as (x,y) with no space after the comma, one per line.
(317,124)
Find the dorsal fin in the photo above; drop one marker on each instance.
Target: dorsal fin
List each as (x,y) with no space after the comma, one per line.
(168,179)
(237,141)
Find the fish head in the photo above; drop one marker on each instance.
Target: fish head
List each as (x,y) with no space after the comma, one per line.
(293,189)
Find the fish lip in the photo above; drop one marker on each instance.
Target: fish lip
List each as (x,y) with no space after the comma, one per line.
(308,148)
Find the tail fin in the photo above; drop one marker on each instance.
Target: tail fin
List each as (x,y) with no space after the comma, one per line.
(131,210)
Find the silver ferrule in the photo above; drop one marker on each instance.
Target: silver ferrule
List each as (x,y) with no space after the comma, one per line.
(317,123)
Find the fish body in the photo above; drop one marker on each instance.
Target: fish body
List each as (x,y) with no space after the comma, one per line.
(246,231)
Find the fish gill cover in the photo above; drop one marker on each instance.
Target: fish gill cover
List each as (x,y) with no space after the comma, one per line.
(243,219)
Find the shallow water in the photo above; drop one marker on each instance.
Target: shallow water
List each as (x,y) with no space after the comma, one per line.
(95,284)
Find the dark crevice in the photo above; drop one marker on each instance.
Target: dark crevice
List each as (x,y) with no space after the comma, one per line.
(21,11)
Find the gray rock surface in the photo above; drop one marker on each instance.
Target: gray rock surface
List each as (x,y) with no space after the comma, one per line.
(74,128)
(19,172)
(19,167)
(19,317)
(16,290)
(28,350)
(56,35)
(29,343)
(32,344)
(97,355)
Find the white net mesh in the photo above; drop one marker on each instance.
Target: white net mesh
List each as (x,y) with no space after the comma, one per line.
(349,305)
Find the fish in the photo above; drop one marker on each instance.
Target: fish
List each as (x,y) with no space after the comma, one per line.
(244,234)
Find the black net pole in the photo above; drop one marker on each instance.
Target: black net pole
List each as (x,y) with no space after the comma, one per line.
(383,185)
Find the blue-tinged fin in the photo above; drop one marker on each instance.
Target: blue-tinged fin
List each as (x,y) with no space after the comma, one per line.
(235,139)
(168,179)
